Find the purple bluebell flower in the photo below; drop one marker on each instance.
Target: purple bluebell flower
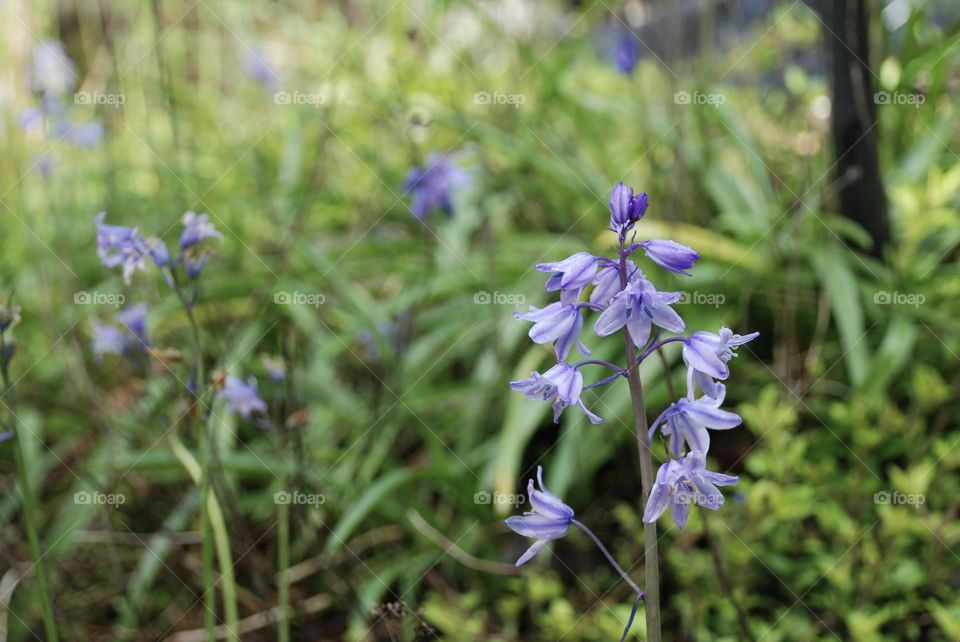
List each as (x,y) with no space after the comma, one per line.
(557,323)
(258,67)
(619,46)
(52,73)
(88,134)
(625,208)
(571,275)
(687,420)
(107,340)
(550,518)
(434,185)
(561,385)
(670,255)
(242,397)
(707,355)
(197,228)
(119,246)
(607,282)
(639,307)
(275,367)
(134,319)
(158,251)
(683,482)
(193,265)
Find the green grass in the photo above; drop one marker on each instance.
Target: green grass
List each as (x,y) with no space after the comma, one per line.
(397,402)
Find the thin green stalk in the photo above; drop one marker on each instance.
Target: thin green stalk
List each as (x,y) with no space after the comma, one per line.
(33,540)
(650,556)
(283,563)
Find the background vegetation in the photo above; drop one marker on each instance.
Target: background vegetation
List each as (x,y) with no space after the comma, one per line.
(396,393)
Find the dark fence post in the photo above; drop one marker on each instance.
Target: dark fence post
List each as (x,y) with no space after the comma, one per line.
(854,118)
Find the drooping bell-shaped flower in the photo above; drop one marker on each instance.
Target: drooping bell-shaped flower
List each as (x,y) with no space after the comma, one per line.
(434,184)
(52,73)
(197,228)
(687,420)
(119,246)
(707,355)
(571,275)
(670,255)
(242,397)
(558,323)
(639,307)
(561,385)
(550,518)
(134,319)
(682,483)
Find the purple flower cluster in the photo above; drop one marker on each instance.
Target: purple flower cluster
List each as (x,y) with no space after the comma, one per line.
(126,248)
(52,77)
(625,300)
(131,336)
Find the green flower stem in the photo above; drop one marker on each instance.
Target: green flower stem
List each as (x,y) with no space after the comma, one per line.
(33,540)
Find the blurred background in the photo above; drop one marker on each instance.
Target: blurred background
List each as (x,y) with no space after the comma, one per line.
(809,153)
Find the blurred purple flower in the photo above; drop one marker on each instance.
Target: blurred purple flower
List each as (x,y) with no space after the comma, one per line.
(550,518)
(107,340)
(197,228)
(119,246)
(134,319)
(434,184)
(561,385)
(619,45)
(683,482)
(242,397)
(52,73)
(257,66)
